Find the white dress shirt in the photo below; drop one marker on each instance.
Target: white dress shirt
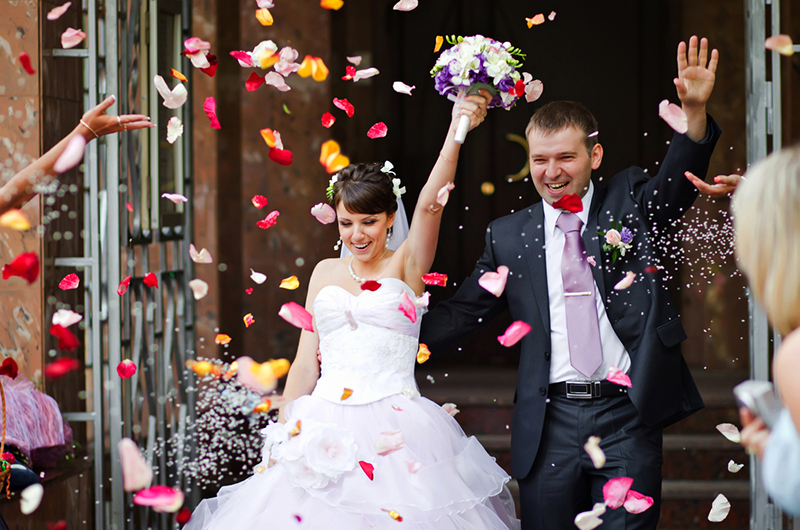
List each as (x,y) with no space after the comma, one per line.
(614,353)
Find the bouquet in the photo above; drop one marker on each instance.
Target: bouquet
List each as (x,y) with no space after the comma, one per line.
(475,63)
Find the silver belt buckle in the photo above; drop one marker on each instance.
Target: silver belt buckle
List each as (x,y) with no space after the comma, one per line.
(583,389)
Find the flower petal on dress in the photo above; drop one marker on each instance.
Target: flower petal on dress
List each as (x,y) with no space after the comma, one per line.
(402,88)
(269,220)
(174,129)
(346,393)
(780,43)
(413,466)
(637,502)
(30,498)
(345,106)
(57,12)
(150,280)
(451,409)
(296,315)
(174,98)
(71,38)
(61,367)
(257,277)
(719,509)
(730,431)
(495,282)
(324,213)
(177,198)
(674,116)
(327,120)
(210,108)
(443,194)
(126,369)
(368,469)
(332,4)
(199,257)
(199,288)
(253,82)
(407,307)
(389,442)
(592,448)
(26,266)
(591,519)
(70,281)
(264,17)
(25,61)
(571,203)
(122,288)
(161,499)
(406,5)
(72,154)
(514,333)
(370,285)
(66,318)
(615,491)
(379,130)
(625,282)
(423,353)
(617,376)
(259,201)
(291,283)
(435,278)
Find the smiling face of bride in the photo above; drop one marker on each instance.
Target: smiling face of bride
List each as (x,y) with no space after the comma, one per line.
(364,234)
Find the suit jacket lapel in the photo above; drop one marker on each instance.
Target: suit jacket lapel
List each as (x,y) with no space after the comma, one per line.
(534,241)
(591,239)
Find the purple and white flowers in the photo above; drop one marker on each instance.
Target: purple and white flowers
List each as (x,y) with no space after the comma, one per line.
(617,240)
(479,60)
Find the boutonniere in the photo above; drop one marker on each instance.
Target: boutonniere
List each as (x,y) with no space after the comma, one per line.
(618,239)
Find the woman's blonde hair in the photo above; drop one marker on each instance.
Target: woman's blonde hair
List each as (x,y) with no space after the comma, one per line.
(766,219)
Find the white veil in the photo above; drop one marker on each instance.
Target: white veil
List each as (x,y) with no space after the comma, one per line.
(399,230)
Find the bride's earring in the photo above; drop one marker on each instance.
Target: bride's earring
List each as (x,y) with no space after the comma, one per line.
(388,237)
(338,244)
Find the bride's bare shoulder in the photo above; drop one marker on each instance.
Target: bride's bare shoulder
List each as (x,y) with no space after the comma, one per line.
(327,269)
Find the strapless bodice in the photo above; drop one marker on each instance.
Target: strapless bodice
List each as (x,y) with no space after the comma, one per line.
(368,344)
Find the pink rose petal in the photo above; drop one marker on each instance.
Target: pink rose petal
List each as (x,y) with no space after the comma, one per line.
(366,73)
(406,5)
(162,499)
(514,333)
(407,307)
(674,116)
(253,82)
(71,38)
(269,220)
(126,369)
(243,57)
(265,4)
(591,261)
(210,108)
(259,201)
(780,43)
(199,288)
(494,282)
(296,315)
(637,502)
(57,12)
(402,88)
(615,491)
(70,281)
(625,282)
(389,442)
(328,120)
(617,376)
(591,519)
(72,154)
(413,466)
(277,80)
(345,106)
(443,195)
(533,90)
(354,59)
(379,130)
(199,257)
(195,44)
(177,198)
(451,409)
(324,213)
(136,472)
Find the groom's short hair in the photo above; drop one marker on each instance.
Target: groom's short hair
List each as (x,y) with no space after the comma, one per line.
(558,115)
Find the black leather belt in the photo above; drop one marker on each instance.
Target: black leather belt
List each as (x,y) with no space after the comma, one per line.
(587,389)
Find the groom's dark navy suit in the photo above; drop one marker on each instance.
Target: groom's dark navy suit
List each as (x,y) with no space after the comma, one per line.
(642,316)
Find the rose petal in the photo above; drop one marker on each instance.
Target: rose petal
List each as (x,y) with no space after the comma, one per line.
(346,394)
(354,59)
(210,108)
(533,90)
(199,257)
(196,44)
(780,43)
(271,138)
(368,468)
(57,12)
(70,281)
(617,376)
(366,73)
(283,157)
(26,266)
(199,58)
(438,44)
(269,220)
(615,491)
(174,129)
(177,75)
(494,282)
(379,130)
(402,88)
(674,116)
(162,499)
(591,261)
(406,5)
(248,320)
(126,369)
(345,106)
(423,353)
(30,498)
(60,368)
(592,448)
(291,283)
(443,194)
(66,318)
(222,339)
(259,201)
(177,198)
(435,278)
(253,82)
(15,220)
(296,315)
(150,280)
(332,4)
(123,285)
(174,98)
(9,368)
(625,282)
(277,80)
(25,61)
(407,307)
(730,431)
(591,519)
(331,158)
(370,285)
(571,203)
(211,69)
(257,277)
(551,16)
(719,509)
(313,67)
(413,466)
(183,516)
(71,38)
(72,154)
(264,17)
(514,333)
(389,442)
(637,502)
(733,467)
(327,120)
(324,213)
(451,409)
(199,288)
(260,377)
(243,57)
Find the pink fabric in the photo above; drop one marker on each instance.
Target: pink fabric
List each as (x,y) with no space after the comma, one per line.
(33,419)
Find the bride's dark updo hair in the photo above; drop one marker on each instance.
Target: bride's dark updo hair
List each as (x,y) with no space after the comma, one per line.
(364,189)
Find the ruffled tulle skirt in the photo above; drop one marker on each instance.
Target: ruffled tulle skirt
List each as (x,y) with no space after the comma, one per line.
(439,480)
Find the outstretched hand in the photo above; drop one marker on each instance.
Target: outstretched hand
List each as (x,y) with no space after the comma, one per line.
(474,107)
(99,123)
(696,73)
(724,185)
(755,433)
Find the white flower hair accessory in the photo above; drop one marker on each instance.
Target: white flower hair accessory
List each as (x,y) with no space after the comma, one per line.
(329,189)
(398,191)
(387,168)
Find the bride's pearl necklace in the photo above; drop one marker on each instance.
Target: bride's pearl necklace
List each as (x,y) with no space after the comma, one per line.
(358,278)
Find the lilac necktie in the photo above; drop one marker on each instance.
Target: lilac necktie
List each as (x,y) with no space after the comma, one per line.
(583,330)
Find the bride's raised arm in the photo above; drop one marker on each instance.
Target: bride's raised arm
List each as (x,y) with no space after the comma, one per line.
(419,248)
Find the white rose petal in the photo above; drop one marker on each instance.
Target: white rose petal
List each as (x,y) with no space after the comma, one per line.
(719,509)
(66,318)
(451,409)
(30,498)
(174,129)
(730,431)
(591,519)
(733,467)
(199,257)
(257,277)
(403,88)
(592,448)
(199,288)
(136,472)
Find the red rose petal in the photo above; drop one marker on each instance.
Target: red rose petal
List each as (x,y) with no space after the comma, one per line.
(259,201)
(26,266)
(571,203)
(351,71)
(211,70)
(183,516)
(281,156)
(345,106)
(269,220)
(66,340)
(379,130)
(9,368)
(70,281)
(58,525)
(25,61)
(370,285)
(60,368)
(519,88)
(651,270)
(328,120)
(253,82)
(150,280)
(123,285)
(435,278)
(368,469)
(210,108)
(126,369)
(249,290)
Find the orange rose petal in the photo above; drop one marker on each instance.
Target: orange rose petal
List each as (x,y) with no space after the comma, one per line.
(15,220)
(296,430)
(201,368)
(394,515)
(280,367)
(177,75)
(320,73)
(538,19)
(306,66)
(291,283)
(439,42)
(264,16)
(221,338)
(269,137)
(423,354)
(780,43)
(332,4)
(248,320)
(347,393)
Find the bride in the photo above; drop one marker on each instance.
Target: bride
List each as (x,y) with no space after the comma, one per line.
(358,447)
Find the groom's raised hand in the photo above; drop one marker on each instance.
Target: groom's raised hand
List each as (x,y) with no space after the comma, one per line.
(695,82)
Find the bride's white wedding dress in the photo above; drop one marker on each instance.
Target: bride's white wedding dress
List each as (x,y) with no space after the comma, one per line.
(438,478)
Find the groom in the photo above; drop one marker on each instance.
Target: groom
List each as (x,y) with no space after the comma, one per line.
(562,283)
